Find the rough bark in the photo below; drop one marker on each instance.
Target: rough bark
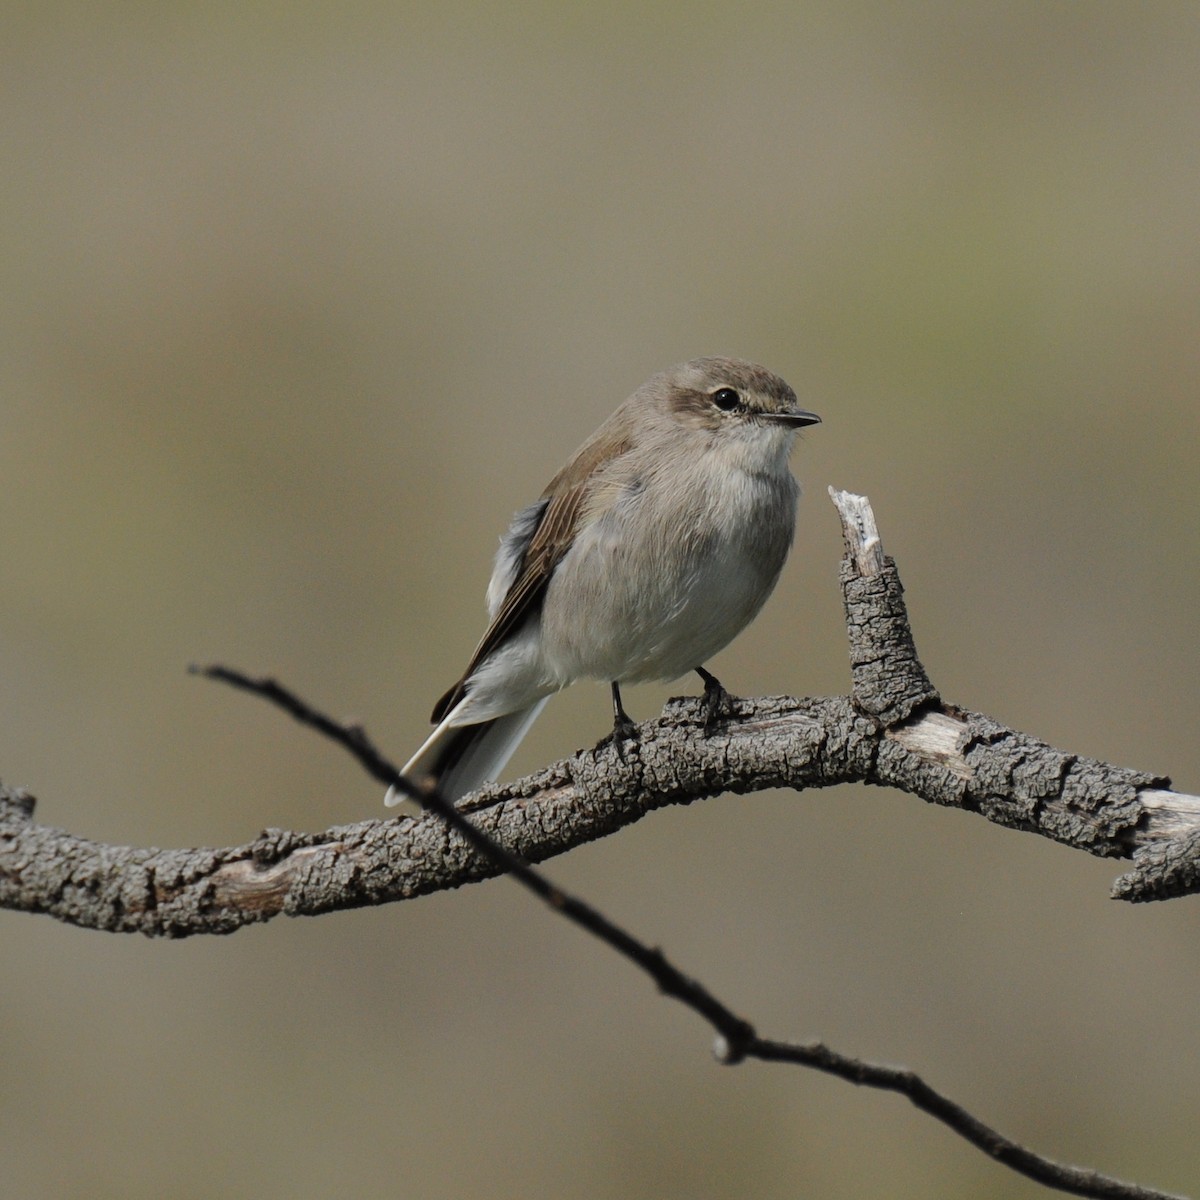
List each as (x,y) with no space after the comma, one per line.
(893,730)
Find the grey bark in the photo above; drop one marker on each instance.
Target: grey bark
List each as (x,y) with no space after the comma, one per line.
(893,730)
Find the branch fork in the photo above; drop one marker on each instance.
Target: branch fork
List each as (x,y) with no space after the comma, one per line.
(893,729)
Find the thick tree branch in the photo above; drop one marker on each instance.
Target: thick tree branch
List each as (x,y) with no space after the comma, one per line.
(892,730)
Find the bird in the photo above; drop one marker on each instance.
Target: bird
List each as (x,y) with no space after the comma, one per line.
(648,552)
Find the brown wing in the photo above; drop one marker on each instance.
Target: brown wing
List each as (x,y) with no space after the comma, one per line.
(551,540)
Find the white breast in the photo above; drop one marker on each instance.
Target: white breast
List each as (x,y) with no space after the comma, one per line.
(667,577)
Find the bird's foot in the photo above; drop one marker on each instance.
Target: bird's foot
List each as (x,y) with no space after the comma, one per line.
(717,701)
(624,727)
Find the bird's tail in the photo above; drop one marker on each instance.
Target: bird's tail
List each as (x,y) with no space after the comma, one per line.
(460,758)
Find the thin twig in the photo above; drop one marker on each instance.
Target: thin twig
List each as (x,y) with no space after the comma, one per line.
(670,981)
(737,1039)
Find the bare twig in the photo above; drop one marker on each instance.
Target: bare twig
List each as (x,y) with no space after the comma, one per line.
(893,729)
(737,1039)
(670,981)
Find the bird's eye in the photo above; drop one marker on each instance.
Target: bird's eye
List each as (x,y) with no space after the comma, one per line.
(726,399)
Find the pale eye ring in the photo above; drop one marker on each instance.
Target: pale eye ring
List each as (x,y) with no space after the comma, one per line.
(726,399)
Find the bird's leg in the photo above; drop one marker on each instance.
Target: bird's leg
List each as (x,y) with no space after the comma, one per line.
(623,725)
(716,699)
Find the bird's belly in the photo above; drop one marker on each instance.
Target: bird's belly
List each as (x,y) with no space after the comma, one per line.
(657,615)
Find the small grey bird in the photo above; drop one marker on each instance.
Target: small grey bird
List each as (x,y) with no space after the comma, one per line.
(648,552)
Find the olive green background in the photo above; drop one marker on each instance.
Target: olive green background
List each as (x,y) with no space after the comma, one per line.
(301,301)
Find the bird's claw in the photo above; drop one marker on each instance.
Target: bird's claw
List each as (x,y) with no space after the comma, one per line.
(717,701)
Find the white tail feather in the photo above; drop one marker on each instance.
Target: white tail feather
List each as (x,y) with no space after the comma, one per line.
(481,753)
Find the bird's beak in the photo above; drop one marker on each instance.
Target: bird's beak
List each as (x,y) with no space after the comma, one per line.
(796,419)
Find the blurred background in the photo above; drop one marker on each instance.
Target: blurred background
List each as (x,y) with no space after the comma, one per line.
(302,301)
